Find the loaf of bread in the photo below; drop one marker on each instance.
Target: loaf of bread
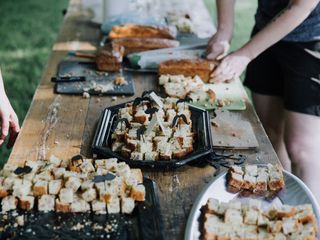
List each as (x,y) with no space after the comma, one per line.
(141,31)
(133,45)
(188,67)
(109,58)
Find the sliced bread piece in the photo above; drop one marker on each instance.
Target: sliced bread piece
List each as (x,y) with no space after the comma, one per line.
(62,206)
(138,192)
(46,203)
(127,205)
(26,202)
(55,186)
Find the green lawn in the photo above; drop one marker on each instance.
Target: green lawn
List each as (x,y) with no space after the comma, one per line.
(28,29)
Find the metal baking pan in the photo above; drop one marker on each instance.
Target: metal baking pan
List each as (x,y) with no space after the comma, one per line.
(144,223)
(295,193)
(200,125)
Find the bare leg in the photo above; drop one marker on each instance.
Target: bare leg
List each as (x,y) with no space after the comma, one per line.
(302,138)
(271,113)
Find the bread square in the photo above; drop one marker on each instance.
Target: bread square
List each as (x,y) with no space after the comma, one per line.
(79,205)
(235,180)
(74,183)
(127,205)
(233,216)
(274,226)
(87,185)
(66,195)
(26,202)
(249,182)
(113,206)
(55,186)
(22,189)
(211,226)
(87,167)
(9,203)
(46,203)
(138,192)
(290,225)
(89,195)
(151,156)
(62,206)
(59,172)
(251,216)
(40,188)
(99,207)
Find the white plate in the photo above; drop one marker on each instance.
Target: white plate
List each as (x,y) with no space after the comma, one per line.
(295,193)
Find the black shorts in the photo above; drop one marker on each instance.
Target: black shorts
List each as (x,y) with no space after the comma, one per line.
(289,70)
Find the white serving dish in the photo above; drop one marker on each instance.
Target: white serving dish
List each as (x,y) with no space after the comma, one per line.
(295,193)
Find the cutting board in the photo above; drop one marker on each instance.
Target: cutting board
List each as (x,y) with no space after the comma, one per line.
(231,131)
(94,80)
(231,94)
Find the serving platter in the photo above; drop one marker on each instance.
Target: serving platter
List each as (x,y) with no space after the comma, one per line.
(295,193)
(144,223)
(200,125)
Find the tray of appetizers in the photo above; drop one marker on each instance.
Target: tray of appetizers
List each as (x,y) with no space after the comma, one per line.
(276,205)
(156,133)
(78,199)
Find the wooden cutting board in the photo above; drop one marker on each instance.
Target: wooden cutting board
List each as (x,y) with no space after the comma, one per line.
(231,131)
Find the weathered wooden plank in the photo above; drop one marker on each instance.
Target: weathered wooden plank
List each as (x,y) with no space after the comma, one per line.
(70,129)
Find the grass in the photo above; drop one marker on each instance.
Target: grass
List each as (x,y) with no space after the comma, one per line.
(28,29)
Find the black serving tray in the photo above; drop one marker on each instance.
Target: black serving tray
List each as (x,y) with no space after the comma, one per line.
(144,223)
(200,125)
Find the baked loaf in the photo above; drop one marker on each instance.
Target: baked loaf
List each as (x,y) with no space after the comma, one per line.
(256,179)
(141,31)
(109,58)
(69,186)
(188,67)
(133,45)
(235,220)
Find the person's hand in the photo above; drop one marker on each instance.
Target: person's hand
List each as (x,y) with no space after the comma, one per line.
(231,67)
(9,121)
(218,47)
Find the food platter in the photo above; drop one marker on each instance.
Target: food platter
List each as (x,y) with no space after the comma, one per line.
(144,223)
(295,192)
(200,124)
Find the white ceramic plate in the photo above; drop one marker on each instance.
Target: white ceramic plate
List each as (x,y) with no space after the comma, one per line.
(295,193)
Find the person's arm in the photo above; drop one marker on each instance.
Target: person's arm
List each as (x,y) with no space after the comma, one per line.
(8,118)
(219,44)
(286,21)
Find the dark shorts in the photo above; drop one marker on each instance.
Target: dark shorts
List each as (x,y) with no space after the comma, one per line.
(286,70)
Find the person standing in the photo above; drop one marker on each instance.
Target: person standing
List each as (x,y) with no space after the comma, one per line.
(9,122)
(283,73)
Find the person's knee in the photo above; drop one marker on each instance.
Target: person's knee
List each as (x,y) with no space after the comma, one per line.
(299,150)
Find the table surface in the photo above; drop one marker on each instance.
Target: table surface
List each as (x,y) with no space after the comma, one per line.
(64,125)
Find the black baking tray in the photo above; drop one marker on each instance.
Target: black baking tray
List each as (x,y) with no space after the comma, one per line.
(144,223)
(200,125)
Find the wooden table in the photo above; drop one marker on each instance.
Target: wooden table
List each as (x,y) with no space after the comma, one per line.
(64,126)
